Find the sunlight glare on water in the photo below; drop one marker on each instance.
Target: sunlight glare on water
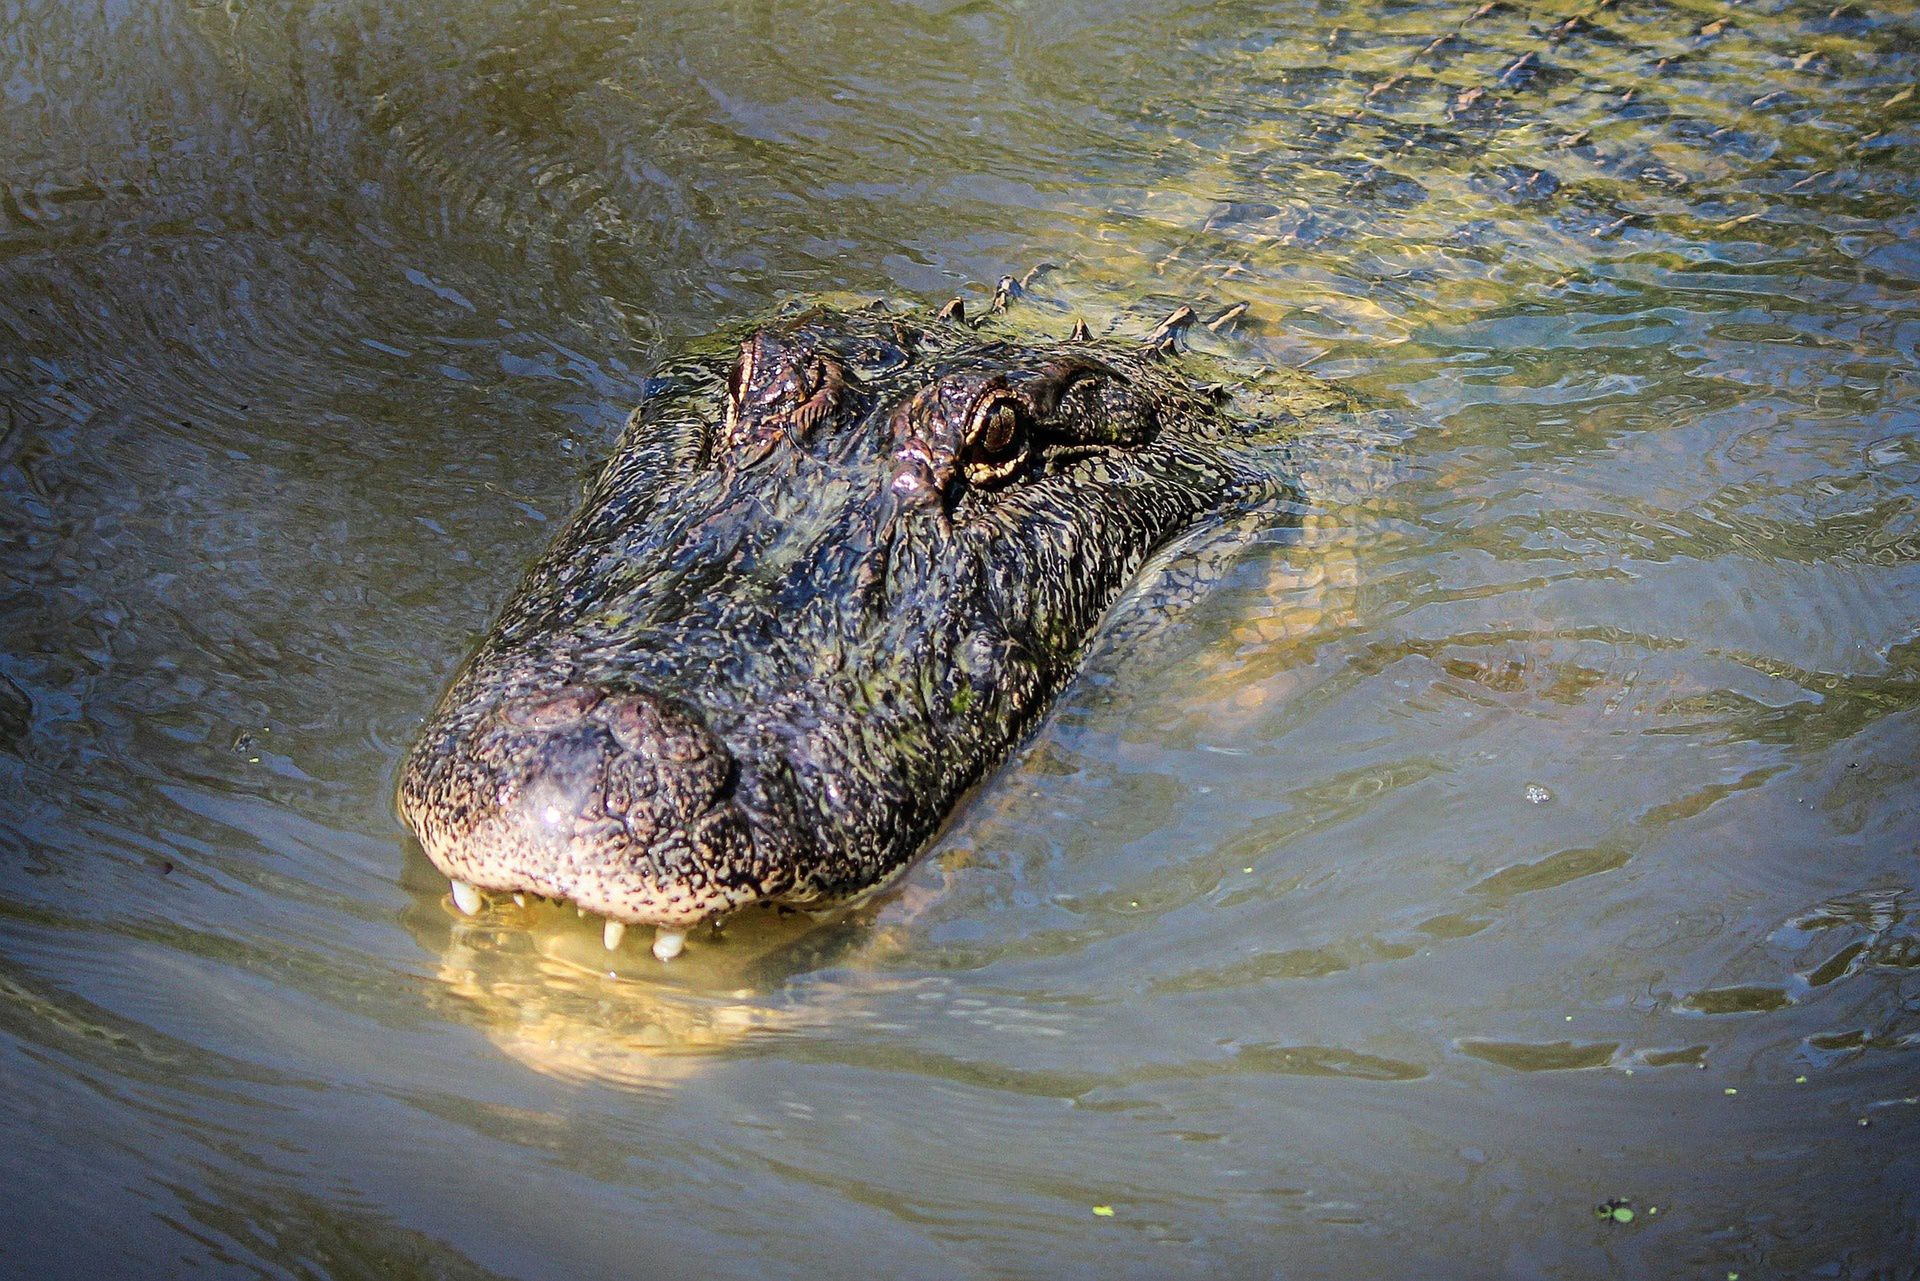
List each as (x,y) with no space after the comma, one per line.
(1532,829)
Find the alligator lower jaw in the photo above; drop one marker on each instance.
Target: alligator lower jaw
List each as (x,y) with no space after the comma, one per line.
(668,940)
(496,863)
(619,903)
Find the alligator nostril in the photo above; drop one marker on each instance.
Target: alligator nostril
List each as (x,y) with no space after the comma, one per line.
(652,727)
(547,711)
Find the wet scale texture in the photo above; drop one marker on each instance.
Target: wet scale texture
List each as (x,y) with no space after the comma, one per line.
(825,581)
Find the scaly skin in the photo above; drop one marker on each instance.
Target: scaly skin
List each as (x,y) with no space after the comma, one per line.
(826,581)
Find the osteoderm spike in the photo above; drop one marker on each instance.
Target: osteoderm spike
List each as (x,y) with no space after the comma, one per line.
(1004,292)
(467,899)
(613,933)
(955,311)
(1227,317)
(667,943)
(1080,332)
(1170,329)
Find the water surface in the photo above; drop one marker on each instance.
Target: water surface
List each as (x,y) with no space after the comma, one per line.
(1534,827)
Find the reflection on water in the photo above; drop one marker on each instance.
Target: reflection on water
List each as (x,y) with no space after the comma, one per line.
(1531,827)
(545,990)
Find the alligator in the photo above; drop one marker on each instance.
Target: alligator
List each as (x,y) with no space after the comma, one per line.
(837,565)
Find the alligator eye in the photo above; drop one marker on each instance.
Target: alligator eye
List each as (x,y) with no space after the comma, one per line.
(996,440)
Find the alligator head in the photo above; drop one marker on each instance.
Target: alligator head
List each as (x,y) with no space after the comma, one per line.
(825,582)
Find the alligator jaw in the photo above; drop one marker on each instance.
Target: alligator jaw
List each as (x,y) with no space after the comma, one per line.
(668,941)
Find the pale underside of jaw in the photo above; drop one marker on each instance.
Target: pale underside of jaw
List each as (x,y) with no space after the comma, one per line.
(667,942)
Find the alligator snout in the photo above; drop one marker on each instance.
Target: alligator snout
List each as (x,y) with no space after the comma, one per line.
(619,800)
(584,758)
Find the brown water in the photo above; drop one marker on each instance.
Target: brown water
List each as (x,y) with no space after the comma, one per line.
(1536,828)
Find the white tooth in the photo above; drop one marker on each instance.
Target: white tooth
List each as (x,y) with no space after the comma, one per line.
(519,900)
(667,943)
(611,936)
(467,899)
(579,911)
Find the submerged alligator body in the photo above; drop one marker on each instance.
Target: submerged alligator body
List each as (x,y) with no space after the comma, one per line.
(826,581)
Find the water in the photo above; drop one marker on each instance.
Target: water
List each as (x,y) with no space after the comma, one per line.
(1536,828)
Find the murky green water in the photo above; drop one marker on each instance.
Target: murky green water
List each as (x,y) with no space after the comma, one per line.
(1538,827)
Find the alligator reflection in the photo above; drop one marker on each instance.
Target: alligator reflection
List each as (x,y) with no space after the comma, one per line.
(538,982)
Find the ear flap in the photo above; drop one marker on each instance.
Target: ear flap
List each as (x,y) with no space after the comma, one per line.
(1078,400)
